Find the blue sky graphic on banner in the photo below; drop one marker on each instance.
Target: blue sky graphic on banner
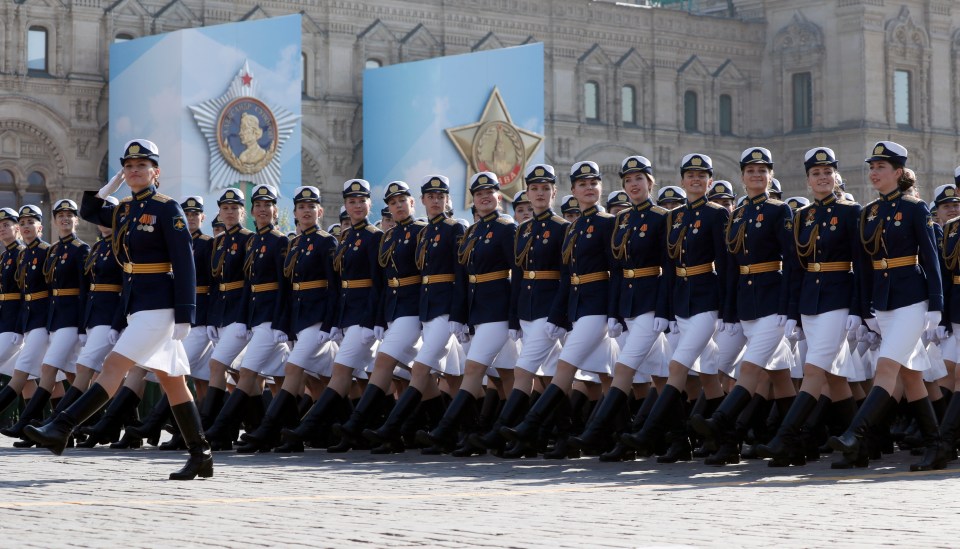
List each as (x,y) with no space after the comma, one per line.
(408,108)
(155,82)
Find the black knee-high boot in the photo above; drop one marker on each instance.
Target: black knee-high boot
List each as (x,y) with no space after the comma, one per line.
(513,409)
(282,409)
(935,455)
(388,436)
(655,427)
(211,406)
(444,436)
(152,426)
(122,407)
(843,412)
(351,430)
(326,407)
(869,414)
(64,402)
(200,463)
(950,427)
(33,410)
(786,447)
(529,428)
(221,433)
(620,451)
(598,430)
(54,435)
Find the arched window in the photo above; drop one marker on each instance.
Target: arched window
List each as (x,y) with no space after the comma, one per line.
(36,190)
(628,105)
(37,49)
(591,100)
(122,37)
(8,191)
(726,115)
(690,122)
(372,64)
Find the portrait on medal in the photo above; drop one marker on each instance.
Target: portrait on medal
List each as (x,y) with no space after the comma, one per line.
(246,134)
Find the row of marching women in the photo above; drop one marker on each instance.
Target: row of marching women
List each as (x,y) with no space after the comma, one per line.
(639,321)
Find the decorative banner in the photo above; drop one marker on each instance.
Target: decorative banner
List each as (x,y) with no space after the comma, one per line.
(222,103)
(454,116)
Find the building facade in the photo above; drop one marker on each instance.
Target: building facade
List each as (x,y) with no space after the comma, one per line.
(713,76)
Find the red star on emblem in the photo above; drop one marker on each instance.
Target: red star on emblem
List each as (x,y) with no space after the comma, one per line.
(246,79)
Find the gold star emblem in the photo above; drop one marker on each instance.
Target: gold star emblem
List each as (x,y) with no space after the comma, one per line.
(495,144)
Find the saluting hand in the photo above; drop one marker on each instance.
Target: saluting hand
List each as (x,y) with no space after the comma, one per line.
(111,186)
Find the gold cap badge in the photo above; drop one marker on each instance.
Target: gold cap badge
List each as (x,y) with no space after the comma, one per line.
(306,192)
(632,164)
(539,172)
(134,149)
(878,149)
(950,191)
(757,155)
(584,169)
(355,187)
(696,161)
(821,156)
(669,193)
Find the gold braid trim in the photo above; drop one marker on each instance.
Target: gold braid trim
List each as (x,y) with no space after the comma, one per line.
(735,244)
(808,249)
(291,257)
(383,256)
(675,248)
(520,258)
(421,256)
(873,244)
(466,246)
(119,235)
(569,243)
(50,266)
(91,259)
(952,258)
(248,260)
(216,266)
(21,273)
(620,248)
(341,249)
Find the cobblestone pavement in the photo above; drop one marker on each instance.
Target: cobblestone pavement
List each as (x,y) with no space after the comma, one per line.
(105,498)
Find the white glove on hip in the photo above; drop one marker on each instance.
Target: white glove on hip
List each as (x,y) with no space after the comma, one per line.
(280,337)
(180,331)
(614,328)
(660,324)
(213,334)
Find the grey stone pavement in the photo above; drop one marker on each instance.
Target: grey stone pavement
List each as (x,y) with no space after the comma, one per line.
(108,498)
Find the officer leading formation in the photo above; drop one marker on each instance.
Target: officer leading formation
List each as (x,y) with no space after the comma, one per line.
(638,320)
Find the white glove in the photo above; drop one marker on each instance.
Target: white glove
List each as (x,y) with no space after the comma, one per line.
(457,328)
(933,321)
(213,334)
(16,339)
(280,337)
(336,334)
(83,339)
(853,322)
(463,337)
(322,337)
(660,324)
(862,332)
(872,324)
(180,331)
(873,339)
(553,331)
(942,333)
(731,328)
(378,332)
(112,186)
(514,334)
(674,329)
(242,334)
(781,321)
(367,336)
(112,337)
(790,329)
(718,325)
(614,328)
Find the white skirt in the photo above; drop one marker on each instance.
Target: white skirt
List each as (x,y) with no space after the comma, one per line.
(937,369)
(949,348)
(233,341)
(354,352)
(537,350)
(436,342)
(454,363)
(264,356)
(600,361)
(638,341)
(148,341)
(62,350)
(402,339)
(199,349)
(657,361)
(96,348)
(310,355)
(31,354)
(586,337)
(695,333)
(900,331)
(487,341)
(826,339)
(763,337)
(8,353)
